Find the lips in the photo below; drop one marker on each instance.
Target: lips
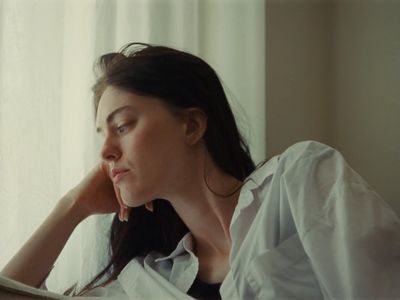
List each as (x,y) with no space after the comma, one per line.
(117,174)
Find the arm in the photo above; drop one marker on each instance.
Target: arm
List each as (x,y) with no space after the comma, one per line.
(94,195)
(350,234)
(35,259)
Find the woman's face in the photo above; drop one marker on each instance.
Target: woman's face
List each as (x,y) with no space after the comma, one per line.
(145,140)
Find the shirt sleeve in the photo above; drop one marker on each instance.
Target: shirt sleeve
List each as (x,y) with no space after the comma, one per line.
(42,285)
(350,234)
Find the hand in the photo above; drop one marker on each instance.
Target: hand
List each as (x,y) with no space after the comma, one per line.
(97,194)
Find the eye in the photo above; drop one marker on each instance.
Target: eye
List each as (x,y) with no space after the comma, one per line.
(122,129)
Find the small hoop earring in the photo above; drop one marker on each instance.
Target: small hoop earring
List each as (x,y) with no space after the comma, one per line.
(223,195)
(241,183)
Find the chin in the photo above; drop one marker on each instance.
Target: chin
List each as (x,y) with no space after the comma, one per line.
(132,200)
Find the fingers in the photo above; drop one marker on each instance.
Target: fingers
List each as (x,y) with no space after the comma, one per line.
(123,214)
(104,167)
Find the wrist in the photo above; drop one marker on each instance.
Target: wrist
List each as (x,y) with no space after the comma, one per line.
(70,206)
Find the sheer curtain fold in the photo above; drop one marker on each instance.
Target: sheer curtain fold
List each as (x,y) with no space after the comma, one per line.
(29,86)
(47,135)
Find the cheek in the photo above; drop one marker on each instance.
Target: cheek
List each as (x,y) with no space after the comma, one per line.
(144,144)
(160,141)
(137,142)
(155,148)
(145,150)
(157,159)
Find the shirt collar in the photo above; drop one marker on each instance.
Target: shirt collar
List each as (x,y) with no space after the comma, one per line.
(253,181)
(264,171)
(184,245)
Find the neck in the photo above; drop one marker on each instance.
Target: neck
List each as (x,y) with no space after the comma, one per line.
(207,212)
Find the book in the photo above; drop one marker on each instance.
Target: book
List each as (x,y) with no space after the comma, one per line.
(14,290)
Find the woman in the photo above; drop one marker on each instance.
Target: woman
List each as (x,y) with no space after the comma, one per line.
(195,217)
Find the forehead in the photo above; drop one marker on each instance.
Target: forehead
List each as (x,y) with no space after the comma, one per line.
(112,99)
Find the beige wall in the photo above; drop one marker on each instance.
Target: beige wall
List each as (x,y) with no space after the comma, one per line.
(298,73)
(334,76)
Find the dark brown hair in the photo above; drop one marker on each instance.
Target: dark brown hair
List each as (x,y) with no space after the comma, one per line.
(181,80)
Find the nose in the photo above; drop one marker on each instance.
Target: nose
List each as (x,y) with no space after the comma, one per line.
(110,150)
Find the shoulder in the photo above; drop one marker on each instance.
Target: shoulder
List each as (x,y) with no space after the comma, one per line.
(307,150)
(299,156)
(307,155)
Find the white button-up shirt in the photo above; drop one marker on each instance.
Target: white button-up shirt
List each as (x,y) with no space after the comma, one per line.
(306,226)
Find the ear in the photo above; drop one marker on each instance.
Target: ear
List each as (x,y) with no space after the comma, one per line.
(195,125)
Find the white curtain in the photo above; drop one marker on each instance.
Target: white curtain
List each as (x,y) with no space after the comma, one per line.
(47,140)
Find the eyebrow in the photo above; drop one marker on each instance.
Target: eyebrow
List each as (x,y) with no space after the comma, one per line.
(111,116)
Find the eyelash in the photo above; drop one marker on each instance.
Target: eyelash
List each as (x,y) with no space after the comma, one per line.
(124,126)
